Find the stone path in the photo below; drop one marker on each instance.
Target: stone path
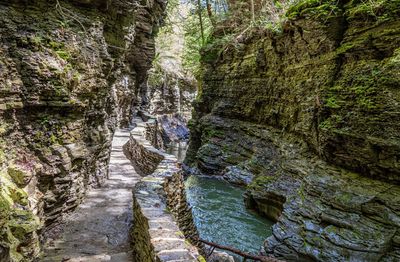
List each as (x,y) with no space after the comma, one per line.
(99,229)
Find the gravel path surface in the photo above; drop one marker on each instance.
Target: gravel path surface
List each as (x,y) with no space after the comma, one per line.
(99,228)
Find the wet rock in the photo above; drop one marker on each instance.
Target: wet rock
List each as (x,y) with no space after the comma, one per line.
(315,125)
(218,256)
(4,254)
(237,175)
(165,130)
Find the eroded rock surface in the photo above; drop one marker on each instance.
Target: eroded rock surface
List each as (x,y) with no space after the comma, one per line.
(312,114)
(70,73)
(166,130)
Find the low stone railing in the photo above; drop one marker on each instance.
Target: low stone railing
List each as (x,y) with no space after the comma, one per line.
(162,217)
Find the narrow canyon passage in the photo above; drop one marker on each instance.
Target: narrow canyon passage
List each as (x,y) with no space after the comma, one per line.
(99,229)
(266,129)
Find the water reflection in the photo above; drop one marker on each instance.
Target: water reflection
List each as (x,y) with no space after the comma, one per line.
(221,217)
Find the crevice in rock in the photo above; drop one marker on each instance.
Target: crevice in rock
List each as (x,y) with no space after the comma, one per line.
(271,206)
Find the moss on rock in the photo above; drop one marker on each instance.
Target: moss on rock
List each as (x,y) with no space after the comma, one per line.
(18,224)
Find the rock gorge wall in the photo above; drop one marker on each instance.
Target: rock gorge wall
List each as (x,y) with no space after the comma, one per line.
(165,130)
(310,115)
(171,88)
(70,73)
(170,93)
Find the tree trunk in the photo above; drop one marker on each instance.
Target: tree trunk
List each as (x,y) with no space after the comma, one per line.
(252,10)
(241,253)
(209,12)
(201,22)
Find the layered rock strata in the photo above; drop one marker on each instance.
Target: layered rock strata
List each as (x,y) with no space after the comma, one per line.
(161,213)
(165,130)
(70,72)
(171,87)
(308,117)
(170,93)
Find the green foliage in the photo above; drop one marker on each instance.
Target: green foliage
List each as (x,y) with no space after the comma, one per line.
(261,182)
(331,102)
(37,40)
(191,57)
(314,8)
(16,224)
(201,259)
(326,124)
(53,139)
(273,27)
(213,133)
(215,46)
(56,46)
(224,27)
(172,6)
(63,54)
(378,10)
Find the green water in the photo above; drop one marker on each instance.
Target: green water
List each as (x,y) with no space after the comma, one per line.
(221,217)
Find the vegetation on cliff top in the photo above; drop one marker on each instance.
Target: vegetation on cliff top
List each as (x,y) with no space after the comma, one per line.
(214,26)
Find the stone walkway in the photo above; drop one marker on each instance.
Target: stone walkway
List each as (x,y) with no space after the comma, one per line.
(99,229)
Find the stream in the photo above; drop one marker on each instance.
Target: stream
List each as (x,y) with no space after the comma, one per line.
(221,217)
(219,212)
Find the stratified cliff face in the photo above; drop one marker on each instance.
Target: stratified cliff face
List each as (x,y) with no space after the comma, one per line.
(311,116)
(171,88)
(170,93)
(70,73)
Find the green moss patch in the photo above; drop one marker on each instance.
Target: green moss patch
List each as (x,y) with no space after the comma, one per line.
(261,182)
(375,10)
(314,9)
(17,225)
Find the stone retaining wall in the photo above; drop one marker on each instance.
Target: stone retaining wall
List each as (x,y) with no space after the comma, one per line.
(145,158)
(162,217)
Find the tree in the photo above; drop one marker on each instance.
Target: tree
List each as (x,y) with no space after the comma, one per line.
(209,12)
(201,21)
(252,10)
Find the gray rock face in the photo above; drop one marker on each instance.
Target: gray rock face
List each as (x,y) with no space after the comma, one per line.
(306,112)
(170,93)
(166,130)
(220,257)
(237,175)
(70,72)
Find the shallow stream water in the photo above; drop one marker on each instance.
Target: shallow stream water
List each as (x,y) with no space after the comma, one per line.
(221,217)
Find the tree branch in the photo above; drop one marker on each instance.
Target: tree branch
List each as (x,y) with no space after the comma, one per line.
(240,253)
